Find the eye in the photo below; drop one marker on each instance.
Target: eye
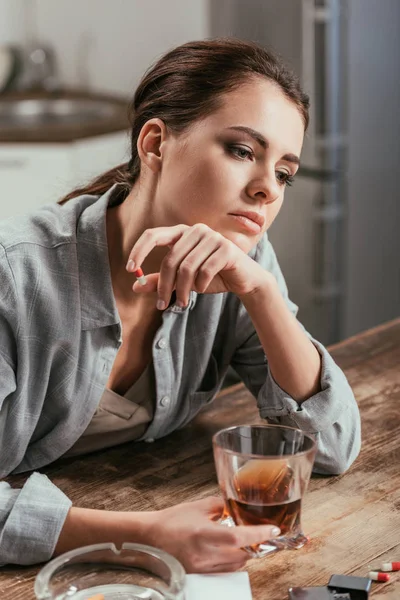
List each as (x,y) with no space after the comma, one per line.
(284,178)
(240,152)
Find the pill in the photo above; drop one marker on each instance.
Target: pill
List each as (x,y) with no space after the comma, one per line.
(393,566)
(377,576)
(96,597)
(140,277)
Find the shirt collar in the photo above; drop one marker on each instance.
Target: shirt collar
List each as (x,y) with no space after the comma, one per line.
(98,307)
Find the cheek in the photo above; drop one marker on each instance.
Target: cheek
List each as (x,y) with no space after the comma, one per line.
(206,175)
(273,211)
(204,182)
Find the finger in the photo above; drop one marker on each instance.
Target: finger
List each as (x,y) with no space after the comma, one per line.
(189,268)
(158,236)
(149,286)
(214,558)
(239,536)
(235,555)
(211,505)
(226,567)
(250,535)
(210,268)
(180,263)
(220,564)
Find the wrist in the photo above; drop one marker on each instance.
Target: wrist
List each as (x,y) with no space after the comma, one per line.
(265,287)
(83,527)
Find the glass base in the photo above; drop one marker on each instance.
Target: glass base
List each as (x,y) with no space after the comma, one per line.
(280,543)
(294,542)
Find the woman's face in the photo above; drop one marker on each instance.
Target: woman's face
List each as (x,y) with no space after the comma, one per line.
(238,160)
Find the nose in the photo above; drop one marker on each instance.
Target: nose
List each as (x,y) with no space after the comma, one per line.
(265,188)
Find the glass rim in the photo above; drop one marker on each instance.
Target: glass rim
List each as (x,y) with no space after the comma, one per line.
(264,456)
(43,577)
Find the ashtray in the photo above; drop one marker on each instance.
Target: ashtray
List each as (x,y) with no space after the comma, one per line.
(102,572)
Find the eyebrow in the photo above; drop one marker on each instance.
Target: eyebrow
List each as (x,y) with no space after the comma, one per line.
(263,142)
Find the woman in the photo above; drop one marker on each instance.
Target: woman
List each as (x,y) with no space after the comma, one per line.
(217,130)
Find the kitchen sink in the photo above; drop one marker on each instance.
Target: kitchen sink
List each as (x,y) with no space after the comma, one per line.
(48,112)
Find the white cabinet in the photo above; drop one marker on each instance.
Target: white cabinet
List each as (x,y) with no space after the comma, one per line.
(35,174)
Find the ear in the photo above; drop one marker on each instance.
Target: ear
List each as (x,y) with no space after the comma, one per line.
(150,143)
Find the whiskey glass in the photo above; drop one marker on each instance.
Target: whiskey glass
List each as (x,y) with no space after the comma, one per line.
(263,473)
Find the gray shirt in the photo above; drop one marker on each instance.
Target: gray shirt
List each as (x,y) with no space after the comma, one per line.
(59,335)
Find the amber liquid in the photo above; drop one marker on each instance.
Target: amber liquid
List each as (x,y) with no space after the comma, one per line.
(285,516)
(265,494)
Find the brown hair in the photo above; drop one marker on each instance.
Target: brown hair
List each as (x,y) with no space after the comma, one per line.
(186,85)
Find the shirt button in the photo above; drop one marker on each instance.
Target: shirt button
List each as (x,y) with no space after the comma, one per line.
(165,400)
(149,440)
(162,343)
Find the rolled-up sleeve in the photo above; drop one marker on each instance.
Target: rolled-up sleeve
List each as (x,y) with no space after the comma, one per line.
(332,414)
(31,520)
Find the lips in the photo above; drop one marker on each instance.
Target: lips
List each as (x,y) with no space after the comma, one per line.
(252,216)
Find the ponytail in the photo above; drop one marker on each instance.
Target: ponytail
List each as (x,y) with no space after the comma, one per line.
(99,186)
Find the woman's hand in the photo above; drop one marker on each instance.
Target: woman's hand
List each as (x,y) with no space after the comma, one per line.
(188,532)
(199,259)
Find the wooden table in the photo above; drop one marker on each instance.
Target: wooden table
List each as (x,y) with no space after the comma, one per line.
(353,519)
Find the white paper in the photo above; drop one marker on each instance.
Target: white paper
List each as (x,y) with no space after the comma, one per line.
(235,586)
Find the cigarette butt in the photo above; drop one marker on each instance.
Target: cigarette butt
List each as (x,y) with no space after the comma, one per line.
(96,597)
(141,279)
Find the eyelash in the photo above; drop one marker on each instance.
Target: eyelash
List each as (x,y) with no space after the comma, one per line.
(287,179)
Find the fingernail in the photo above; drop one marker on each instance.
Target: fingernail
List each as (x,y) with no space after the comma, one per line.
(275,531)
(160,304)
(180,304)
(131,265)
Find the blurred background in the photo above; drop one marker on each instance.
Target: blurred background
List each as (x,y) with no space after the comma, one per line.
(68,69)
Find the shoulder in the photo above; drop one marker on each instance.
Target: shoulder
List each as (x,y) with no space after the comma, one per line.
(47,227)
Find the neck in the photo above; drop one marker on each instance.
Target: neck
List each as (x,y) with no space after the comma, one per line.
(125,224)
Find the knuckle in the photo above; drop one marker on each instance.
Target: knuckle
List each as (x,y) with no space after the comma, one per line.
(202,564)
(230,253)
(169,261)
(235,540)
(206,272)
(162,291)
(148,233)
(199,532)
(195,562)
(201,227)
(186,268)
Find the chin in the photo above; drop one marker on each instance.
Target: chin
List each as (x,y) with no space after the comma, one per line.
(242,241)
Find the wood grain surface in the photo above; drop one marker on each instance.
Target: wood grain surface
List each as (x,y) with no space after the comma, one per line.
(353,519)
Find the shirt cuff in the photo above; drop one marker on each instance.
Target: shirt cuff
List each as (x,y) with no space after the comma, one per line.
(317,413)
(34,524)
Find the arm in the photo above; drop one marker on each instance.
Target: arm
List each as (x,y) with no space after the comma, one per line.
(294,361)
(39,521)
(30,518)
(275,362)
(187,531)
(315,395)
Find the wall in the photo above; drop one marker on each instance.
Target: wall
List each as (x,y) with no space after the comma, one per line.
(102,44)
(12,21)
(373,265)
